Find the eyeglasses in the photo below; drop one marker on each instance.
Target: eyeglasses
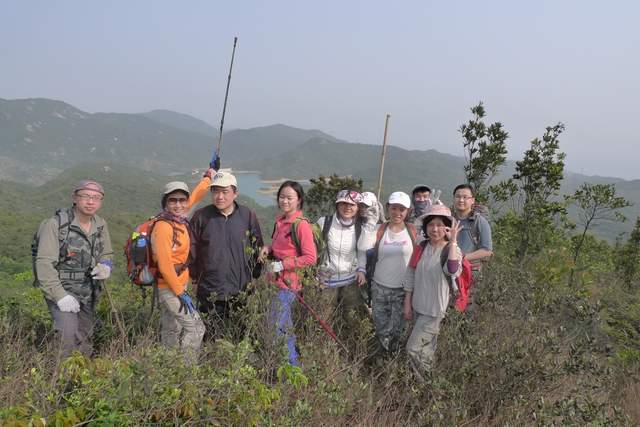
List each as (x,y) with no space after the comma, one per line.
(463,197)
(176,200)
(87,197)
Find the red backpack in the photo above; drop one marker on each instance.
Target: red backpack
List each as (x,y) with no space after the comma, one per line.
(141,267)
(463,283)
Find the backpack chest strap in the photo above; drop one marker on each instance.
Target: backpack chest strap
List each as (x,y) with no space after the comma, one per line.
(72,275)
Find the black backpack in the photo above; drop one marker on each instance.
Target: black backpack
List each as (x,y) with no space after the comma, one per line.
(64,218)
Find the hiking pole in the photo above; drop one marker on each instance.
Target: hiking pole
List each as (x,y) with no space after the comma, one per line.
(215,160)
(384,152)
(322,323)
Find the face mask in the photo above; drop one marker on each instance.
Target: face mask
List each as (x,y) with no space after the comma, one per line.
(420,207)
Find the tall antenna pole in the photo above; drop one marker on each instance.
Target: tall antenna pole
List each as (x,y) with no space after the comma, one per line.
(226,96)
(384,152)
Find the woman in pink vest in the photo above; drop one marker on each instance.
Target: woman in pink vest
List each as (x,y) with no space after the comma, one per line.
(289,253)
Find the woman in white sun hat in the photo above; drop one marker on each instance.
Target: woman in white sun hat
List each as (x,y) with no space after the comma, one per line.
(342,267)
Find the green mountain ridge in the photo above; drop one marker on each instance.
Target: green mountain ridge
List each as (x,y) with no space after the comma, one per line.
(131,195)
(182,121)
(41,138)
(167,143)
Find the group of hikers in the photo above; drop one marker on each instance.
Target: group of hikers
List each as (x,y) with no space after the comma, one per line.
(403,266)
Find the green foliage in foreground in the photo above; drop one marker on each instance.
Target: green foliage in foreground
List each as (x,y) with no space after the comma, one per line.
(538,352)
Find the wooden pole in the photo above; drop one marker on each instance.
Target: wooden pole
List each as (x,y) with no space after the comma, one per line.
(384,152)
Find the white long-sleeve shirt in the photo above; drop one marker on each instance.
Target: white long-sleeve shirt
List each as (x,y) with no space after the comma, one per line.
(344,256)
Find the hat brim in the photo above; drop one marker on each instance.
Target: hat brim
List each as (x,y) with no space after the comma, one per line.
(347,201)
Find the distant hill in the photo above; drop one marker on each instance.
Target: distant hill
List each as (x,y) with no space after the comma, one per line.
(131,196)
(243,148)
(40,138)
(403,168)
(183,122)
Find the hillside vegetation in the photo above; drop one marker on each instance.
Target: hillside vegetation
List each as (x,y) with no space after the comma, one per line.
(165,142)
(554,339)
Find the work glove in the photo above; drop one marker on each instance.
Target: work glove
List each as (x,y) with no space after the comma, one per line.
(215,162)
(209,173)
(186,303)
(101,271)
(68,304)
(435,199)
(275,267)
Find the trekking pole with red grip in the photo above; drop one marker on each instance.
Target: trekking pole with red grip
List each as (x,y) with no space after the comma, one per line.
(322,323)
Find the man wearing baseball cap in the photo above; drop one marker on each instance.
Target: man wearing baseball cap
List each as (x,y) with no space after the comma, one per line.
(225,244)
(73,257)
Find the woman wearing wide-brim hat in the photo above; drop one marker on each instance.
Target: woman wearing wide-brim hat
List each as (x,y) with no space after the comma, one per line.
(426,287)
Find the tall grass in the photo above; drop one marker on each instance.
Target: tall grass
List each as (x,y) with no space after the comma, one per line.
(536,352)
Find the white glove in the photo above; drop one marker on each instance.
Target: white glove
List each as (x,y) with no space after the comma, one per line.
(275,267)
(68,304)
(101,272)
(435,199)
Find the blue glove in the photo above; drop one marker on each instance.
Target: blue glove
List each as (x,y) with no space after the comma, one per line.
(186,303)
(215,162)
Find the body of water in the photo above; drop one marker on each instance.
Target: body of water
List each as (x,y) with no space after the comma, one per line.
(249,185)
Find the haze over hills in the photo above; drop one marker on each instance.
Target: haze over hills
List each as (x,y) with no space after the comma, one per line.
(40,138)
(182,121)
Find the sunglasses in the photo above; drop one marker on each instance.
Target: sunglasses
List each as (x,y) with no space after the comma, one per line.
(176,200)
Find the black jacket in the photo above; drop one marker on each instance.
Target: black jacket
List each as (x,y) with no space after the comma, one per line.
(224,250)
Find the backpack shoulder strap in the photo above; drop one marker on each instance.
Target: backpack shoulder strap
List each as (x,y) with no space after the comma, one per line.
(474,230)
(158,218)
(444,255)
(65,218)
(326,226)
(374,257)
(358,226)
(294,233)
(413,233)
(417,253)
(379,234)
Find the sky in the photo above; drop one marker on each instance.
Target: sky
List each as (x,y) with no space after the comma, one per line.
(341,66)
